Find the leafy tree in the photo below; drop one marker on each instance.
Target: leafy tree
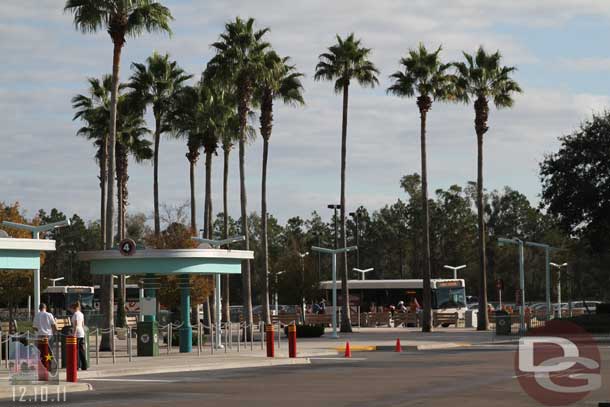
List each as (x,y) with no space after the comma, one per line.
(157,83)
(426,77)
(480,79)
(345,61)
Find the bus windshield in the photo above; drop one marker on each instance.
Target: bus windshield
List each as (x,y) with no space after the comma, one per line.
(448,297)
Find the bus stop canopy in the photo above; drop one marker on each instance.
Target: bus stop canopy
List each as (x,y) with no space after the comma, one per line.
(167,262)
(23,254)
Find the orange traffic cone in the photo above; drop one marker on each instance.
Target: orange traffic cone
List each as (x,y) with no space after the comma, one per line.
(398,348)
(348,351)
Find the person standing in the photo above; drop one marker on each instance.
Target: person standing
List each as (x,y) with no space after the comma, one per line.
(45,325)
(78,330)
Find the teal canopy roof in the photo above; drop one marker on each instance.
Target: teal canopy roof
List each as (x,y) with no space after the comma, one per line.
(23,254)
(167,262)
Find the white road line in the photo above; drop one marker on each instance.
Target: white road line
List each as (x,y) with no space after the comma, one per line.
(130,380)
(321,358)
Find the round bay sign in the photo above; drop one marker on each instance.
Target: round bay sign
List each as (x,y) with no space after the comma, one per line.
(127,247)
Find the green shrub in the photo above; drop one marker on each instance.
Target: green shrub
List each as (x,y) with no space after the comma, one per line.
(308,331)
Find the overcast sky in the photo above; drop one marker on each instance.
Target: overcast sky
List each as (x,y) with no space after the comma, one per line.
(560,47)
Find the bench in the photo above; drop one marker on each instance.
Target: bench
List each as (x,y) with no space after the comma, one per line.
(318,319)
(285,319)
(60,323)
(406,319)
(445,319)
(8,327)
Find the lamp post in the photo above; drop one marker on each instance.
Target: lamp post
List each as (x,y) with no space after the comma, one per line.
(217,299)
(277,306)
(455,269)
(54,280)
(363,272)
(547,252)
(333,253)
(516,241)
(356,216)
(303,306)
(558,267)
(335,207)
(35,231)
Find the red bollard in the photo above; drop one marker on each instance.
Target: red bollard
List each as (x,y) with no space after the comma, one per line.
(292,341)
(71,358)
(269,336)
(45,361)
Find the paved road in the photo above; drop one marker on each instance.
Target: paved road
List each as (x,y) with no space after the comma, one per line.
(480,376)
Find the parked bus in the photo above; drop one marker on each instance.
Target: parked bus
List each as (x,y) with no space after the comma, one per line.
(132,300)
(448,295)
(59,299)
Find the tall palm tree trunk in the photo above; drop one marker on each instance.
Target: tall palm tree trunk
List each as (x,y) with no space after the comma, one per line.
(225,227)
(481,115)
(107,303)
(245,94)
(103,176)
(157,220)
(208,195)
(424,104)
(121,185)
(192,158)
(346,323)
(265,242)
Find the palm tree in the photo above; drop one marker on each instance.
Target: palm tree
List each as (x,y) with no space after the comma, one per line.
(345,61)
(281,81)
(479,79)
(426,76)
(92,108)
(239,60)
(120,19)
(157,83)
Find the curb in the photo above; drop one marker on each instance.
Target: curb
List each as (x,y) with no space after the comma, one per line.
(33,390)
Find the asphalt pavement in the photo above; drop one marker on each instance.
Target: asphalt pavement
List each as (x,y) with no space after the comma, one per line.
(481,375)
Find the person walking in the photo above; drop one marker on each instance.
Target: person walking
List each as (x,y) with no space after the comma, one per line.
(78,330)
(45,325)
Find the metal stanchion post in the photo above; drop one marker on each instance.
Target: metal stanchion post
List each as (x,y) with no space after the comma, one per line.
(6,349)
(198,339)
(97,346)
(279,326)
(169,338)
(239,332)
(230,325)
(113,346)
(260,329)
(129,343)
(226,338)
(212,339)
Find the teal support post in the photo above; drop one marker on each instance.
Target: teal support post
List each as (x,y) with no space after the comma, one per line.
(186,330)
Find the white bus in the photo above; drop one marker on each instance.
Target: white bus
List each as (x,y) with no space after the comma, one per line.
(60,298)
(448,295)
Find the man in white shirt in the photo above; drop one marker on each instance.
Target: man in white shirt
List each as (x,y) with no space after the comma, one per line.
(44,324)
(78,330)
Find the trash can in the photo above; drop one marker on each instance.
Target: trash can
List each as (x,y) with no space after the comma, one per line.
(471,318)
(65,332)
(503,323)
(148,338)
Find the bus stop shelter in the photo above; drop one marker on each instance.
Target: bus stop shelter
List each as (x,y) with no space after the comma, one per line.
(152,263)
(24,254)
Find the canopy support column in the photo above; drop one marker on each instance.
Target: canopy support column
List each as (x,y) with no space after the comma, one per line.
(218,310)
(186,330)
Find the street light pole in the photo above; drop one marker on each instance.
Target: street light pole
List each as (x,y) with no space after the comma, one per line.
(558,267)
(455,269)
(363,272)
(303,306)
(277,306)
(547,253)
(516,241)
(334,253)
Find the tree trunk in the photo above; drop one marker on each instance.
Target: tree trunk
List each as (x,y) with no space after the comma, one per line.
(346,323)
(103,176)
(107,302)
(193,204)
(244,100)
(265,242)
(157,220)
(424,104)
(208,195)
(225,226)
(481,115)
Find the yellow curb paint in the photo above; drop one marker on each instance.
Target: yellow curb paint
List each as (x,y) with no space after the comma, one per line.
(357,348)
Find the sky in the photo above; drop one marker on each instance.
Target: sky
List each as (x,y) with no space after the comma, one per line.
(560,48)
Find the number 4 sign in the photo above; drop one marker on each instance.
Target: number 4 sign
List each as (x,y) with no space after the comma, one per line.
(127,247)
